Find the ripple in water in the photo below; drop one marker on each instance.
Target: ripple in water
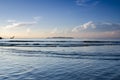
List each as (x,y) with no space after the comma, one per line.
(60,63)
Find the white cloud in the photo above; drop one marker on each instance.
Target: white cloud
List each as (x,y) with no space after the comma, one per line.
(81,2)
(87,2)
(97,27)
(11,21)
(37,18)
(28,30)
(98,30)
(55,30)
(19,24)
(14,23)
(85,26)
(106,23)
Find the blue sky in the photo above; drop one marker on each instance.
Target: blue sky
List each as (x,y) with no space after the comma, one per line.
(45,18)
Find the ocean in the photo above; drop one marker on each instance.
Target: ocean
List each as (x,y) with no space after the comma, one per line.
(59,59)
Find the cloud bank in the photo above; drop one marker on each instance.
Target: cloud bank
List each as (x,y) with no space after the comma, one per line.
(92,29)
(99,27)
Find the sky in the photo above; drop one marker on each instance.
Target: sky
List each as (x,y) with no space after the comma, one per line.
(63,18)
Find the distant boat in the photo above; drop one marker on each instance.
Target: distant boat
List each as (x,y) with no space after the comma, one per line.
(12,37)
(60,38)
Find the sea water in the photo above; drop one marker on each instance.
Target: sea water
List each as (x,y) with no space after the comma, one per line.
(59,59)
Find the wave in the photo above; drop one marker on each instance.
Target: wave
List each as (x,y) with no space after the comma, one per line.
(41,40)
(55,43)
(69,55)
